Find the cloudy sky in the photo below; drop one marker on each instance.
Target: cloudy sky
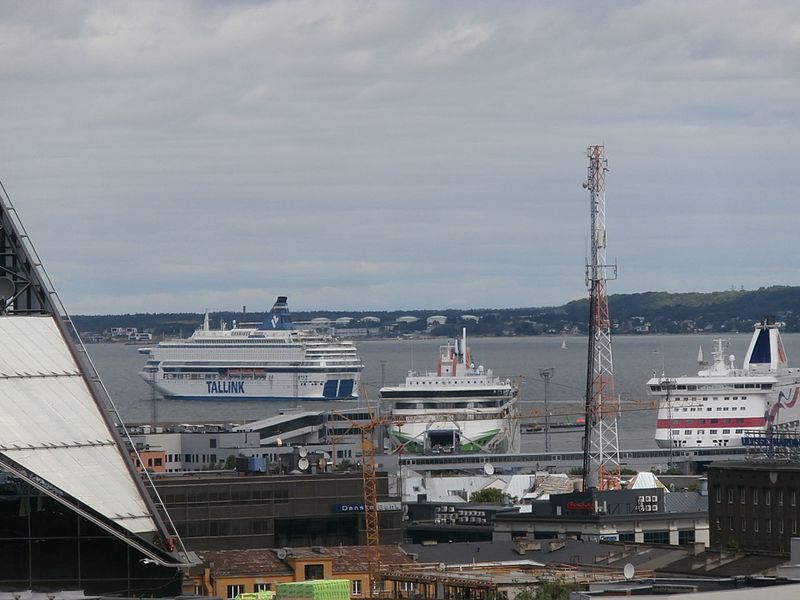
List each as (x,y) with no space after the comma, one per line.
(177,156)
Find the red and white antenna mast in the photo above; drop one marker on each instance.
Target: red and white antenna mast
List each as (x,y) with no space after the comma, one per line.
(601,442)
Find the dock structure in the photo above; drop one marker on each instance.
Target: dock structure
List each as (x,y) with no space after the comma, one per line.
(688,460)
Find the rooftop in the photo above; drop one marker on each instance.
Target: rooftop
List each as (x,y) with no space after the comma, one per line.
(265,561)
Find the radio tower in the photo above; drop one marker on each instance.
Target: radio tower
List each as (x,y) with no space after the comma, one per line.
(601,442)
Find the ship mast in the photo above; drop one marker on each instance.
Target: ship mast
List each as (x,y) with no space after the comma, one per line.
(601,442)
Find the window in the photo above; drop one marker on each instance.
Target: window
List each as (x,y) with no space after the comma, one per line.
(743,524)
(656,537)
(315,571)
(212,443)
(780,526)
(755,525)
(780,497)
(262,587)
(767,497)
(158,462)
(755,497)
(769,525)
(406,586)
(730,523)
(793,498)
(355,588)
(742,495)
(794,526)
(235,590)
(730,495)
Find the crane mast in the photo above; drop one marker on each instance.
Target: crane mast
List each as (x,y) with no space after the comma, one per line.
(601,442)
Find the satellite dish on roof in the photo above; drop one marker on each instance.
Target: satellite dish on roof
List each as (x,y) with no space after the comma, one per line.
(303,452)
(488,468)
(629,571)
(302,464)
(281,553)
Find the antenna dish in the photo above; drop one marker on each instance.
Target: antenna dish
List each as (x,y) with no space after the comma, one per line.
(488,468)
(629,571)
(281,553)
(302,464)
(7,288)
(303,452)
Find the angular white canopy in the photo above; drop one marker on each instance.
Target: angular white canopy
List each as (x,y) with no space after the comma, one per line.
(51,425)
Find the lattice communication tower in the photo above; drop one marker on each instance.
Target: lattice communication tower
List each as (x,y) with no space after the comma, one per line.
(601,442)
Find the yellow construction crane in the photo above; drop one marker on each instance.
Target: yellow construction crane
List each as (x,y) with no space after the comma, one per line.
(369,470)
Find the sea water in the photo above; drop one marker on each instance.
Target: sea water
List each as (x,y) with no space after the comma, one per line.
(636,359)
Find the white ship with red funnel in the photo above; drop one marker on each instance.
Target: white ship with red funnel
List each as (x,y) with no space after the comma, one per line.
(459,408)
(723,404)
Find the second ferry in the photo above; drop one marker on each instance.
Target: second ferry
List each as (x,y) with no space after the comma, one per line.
(255,361)
(722,405)
(459,408)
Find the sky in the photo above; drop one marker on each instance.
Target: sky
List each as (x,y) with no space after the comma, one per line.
(379,155)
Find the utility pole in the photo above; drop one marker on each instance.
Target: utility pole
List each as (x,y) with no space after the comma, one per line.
(669,385)
(601,441)
(546,374)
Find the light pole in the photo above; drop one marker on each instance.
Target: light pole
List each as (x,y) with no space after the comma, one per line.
(546,374)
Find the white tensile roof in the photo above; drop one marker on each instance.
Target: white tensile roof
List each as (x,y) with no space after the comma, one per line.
(645,480)
(51,425)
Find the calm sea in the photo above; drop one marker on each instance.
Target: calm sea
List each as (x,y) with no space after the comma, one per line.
(636,358)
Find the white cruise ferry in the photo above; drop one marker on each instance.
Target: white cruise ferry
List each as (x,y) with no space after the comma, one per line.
(261,361)
(458,408)
(722,404)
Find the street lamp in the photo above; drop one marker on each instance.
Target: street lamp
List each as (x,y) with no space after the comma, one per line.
(546,374)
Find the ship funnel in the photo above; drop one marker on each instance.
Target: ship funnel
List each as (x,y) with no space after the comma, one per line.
(766,351)
(279,317)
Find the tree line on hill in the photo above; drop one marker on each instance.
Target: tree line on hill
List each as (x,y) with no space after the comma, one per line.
(648,312)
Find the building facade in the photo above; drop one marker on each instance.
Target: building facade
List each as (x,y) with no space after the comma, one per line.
(754,505)
(637,515)
(224,511)
(228,573)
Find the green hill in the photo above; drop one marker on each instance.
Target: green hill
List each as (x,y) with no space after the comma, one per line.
(647,312)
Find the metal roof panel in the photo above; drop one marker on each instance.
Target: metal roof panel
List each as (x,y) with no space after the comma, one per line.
(51,425)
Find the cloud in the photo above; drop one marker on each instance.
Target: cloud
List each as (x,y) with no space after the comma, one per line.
(173,156)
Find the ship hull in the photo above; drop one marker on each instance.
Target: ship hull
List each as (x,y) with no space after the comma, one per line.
(273,387)
(425,434)
(726,419)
